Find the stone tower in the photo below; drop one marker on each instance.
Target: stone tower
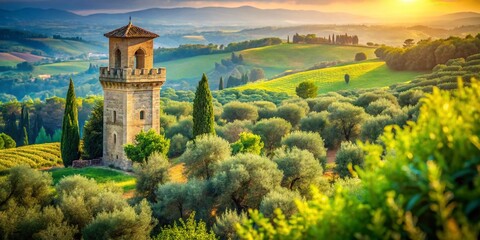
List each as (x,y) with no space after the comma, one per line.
(131,89)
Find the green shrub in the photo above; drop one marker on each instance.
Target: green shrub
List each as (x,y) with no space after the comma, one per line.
(178,144)
(239,111)
(190,229)
(421,183)
(309,141)
(248,143)
(271,131)
(306,89)
(361,56)
(300,169)
(147,143)
(150,174)
(348,156)
(224,226)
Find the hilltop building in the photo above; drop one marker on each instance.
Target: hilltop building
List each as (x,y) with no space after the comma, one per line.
(131,89)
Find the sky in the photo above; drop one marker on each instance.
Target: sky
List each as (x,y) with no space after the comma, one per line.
(382,9)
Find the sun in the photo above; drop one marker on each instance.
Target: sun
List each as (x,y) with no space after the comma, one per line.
(408,1)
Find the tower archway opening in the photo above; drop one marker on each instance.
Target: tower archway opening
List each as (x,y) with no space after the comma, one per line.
(139,59)
(118,59)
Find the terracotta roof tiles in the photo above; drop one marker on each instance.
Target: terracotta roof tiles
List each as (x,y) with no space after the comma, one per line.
(130,31)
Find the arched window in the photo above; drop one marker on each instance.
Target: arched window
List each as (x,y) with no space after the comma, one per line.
(118,59)
(114,138)
(139,59)
(142,115)
(114,116)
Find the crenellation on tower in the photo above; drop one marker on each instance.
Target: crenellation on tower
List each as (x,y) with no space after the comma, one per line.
(131,91)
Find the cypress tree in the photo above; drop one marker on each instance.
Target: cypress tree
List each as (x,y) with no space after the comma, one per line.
(43,137)
(11,128)
(70,132)
(24,126)
(25,136)
(220,85)
(203,120)
(37,126)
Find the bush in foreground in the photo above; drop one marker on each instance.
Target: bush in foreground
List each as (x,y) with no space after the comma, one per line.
(421,184)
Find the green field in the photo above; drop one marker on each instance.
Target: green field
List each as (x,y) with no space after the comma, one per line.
(279,58)
(100,174)
(362,75)
(273,59)
(192,67)
(65,67)
(35,156)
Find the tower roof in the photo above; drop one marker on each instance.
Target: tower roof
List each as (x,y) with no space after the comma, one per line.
(130,31)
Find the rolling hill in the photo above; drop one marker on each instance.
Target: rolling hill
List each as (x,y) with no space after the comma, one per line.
(273,59)
(367,74)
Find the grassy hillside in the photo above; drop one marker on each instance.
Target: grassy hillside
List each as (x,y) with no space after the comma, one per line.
(362,75)
(279,58)
(50,46)
(62,68)
(36,156)
(192,67)
(101,175)
(273,59)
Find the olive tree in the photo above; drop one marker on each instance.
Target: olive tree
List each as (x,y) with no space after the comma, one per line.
(347,118)
(265,109)
(271,131)
(127,223)
(373,127)
(224,226)
(309,141)
(82,199)
(314,122)
(292,113)
(349,154)
(280,198)
(239,111)
(26,187)
(203,153)
(150,174)
(300,169)
(179,200)
(231,131)
(243,180)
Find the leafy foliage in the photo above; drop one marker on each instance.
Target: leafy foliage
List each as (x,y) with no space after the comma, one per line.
(239,111)
(306,89)
(93,133)
(146,143)
(347,118)
(190,229)
(150,174)
(203,153)
(348,156)
(243,180)
(127,223)
(414,185)
(248,143)
(309,141)
(300,169)
(271,131)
